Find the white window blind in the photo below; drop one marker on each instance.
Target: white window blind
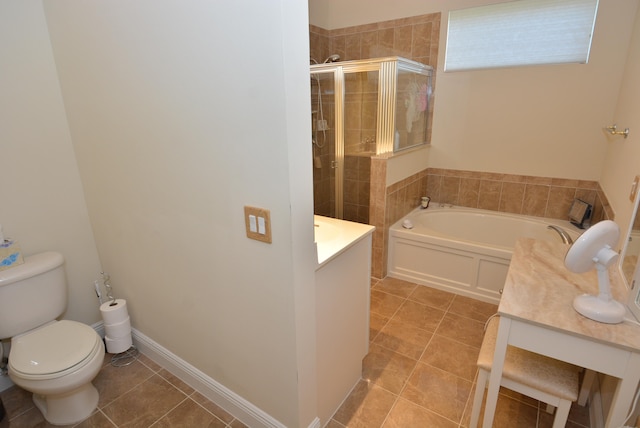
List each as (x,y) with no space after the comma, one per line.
(524,32)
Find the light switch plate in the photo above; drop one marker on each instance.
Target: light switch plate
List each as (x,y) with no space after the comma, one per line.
(262,217)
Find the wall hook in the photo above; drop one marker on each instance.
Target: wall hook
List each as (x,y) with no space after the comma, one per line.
(613,130)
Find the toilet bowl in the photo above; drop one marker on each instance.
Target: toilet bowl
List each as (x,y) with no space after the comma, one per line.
(57,362)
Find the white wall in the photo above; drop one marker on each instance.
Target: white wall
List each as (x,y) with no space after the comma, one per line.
(41,199)
(180,114)
(622,162)
(543,121)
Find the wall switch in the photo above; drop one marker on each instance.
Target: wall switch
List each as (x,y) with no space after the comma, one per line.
(258,223)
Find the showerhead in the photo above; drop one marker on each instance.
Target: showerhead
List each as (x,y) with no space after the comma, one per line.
(332,58)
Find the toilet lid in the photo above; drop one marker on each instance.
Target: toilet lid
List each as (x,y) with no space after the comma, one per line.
(53,348)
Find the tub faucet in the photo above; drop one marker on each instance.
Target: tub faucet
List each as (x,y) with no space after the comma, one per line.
(566,239)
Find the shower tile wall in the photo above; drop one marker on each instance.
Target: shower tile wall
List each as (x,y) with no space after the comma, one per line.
(415,38)
(357,170)
(518,194)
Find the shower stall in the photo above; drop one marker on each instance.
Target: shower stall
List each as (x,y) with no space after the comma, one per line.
(363,109)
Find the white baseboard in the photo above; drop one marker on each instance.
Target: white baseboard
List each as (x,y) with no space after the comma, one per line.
(242,409)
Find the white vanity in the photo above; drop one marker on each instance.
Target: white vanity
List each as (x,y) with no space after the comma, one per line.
(343,278)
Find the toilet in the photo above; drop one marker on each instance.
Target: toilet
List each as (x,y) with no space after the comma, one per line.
(55,360)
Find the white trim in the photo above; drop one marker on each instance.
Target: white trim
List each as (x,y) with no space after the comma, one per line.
(242,409)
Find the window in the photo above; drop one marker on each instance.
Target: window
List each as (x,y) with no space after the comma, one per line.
(524,32)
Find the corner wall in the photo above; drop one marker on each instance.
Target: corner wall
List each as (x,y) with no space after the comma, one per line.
(41,198)
(180,115)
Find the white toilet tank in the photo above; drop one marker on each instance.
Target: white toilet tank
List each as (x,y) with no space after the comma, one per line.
(32,294)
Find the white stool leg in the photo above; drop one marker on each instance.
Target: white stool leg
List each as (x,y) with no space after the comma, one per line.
(562,414)
(481,384)
(587,381)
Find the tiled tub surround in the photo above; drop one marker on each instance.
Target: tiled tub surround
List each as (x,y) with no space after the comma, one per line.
(516,194)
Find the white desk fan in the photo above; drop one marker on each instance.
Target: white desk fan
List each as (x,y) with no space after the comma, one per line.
(593,249)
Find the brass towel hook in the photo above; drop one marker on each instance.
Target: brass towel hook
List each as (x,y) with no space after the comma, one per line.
(613,130)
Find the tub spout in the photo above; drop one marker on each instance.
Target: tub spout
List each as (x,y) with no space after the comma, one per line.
(566,239)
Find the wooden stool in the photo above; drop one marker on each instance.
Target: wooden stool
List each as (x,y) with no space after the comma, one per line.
(542,378)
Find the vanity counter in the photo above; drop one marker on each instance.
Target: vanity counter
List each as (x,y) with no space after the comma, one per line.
(536,314)
(540,289)
(343,283)
(334,236)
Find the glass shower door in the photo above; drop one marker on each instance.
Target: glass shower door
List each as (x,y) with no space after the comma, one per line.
(326,200)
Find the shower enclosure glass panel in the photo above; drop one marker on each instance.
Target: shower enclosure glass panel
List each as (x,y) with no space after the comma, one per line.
(362,109)
(323,137)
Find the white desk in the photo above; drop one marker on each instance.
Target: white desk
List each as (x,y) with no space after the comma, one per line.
(537,314)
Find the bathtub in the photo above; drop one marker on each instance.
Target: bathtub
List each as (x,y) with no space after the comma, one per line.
(463,250)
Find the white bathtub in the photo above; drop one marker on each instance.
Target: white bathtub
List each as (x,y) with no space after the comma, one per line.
(463,250)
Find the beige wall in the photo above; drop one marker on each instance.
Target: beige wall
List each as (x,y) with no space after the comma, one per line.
(622,162)
(540,121)
(179,114)
(41,199)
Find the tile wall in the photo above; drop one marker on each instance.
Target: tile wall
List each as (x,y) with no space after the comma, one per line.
(517,194)
(356,192)
(416,38)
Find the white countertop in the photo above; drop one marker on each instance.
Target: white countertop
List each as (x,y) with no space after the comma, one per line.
(333,236)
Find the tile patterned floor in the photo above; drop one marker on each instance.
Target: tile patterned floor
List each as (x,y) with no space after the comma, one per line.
(139,395)
(421,366)
(420,372)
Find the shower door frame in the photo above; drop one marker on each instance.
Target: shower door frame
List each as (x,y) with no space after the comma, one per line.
(386,74)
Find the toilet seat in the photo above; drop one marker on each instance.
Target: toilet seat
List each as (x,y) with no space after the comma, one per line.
(53,351)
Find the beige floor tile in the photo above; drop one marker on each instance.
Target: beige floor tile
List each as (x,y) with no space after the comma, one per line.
(452,356)
(213,408)
(397,287)
(376,323)
(97,420)
(366,407)
(511,413)
(462,329)
(471,308)
(334,424)
(437,390)
(144,404)
(385,304)
(189,414)
(173,380)
(237,424)
(418,315)
(16,401)
(432,297)
(406,414)
(113,381)
(407,340)
(387,369)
